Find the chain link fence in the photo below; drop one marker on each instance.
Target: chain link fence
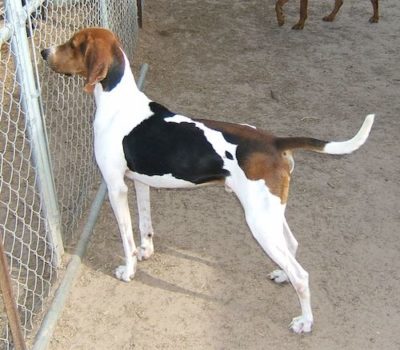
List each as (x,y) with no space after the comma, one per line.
(48,175)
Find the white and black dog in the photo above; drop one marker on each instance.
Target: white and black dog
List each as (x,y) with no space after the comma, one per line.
(144,141)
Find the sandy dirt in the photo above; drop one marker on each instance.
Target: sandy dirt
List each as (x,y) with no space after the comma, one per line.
(207,285)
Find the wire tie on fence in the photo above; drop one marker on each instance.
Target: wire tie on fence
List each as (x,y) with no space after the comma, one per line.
(36,93)
(6,33)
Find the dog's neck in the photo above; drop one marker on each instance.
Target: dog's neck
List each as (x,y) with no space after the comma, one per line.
(124,96)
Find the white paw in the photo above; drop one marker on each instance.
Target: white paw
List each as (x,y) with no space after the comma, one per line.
(228,189)
(278,276)
(301,325)
(145,252)
(125,273)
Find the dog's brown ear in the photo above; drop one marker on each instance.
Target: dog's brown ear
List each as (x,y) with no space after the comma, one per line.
(97,60)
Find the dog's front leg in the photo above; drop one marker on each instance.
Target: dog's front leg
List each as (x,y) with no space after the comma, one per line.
(146,228)
(119,202)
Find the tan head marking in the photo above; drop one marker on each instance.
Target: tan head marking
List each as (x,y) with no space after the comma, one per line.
(89,53)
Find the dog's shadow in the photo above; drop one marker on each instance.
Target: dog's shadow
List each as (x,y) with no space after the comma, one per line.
(180,255)
(146,278)
(155,282)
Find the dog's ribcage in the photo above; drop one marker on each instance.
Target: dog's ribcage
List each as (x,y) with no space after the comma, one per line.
(169,150)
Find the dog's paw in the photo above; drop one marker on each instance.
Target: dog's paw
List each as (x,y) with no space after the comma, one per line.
(125,273)
(374,19)
(329,18)
(278,276)
(145,252)
(301,325)
(299,25)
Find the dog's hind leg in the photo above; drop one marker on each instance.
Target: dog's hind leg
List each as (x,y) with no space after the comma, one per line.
(145,226)
(375,16)
(279,276)
(265,217)
(290,238)
(332,15)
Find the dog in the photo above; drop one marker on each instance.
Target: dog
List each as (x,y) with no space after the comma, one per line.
(141,140)
(303,12)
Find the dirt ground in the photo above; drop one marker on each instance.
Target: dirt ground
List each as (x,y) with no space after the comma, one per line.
(207,285)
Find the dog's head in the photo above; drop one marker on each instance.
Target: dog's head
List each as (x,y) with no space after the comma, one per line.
(93,53)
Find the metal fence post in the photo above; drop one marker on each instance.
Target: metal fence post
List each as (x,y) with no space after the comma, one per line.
(30,95)
(46,330)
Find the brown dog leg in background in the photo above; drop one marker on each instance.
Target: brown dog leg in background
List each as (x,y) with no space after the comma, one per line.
(281,17)
(339,3)
(303,12)
(279,11)
(375,16)
(303,15)
(332,15)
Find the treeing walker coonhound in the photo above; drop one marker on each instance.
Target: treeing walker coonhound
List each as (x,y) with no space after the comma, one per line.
(145,142)
(329,18)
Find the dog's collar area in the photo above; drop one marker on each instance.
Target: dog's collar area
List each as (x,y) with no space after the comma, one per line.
(114,74)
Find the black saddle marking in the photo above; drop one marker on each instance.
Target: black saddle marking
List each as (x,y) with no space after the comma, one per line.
(159,147)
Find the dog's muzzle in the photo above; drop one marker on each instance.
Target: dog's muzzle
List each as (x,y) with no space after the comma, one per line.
(45,54)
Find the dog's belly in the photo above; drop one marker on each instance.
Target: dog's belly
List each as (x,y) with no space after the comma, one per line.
(160,181)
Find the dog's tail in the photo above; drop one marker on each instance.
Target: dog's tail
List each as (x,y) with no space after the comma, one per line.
(329,147)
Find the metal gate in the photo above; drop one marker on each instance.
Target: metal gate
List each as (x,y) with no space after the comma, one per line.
(48,176)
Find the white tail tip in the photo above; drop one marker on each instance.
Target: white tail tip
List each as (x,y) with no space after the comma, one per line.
(356,142)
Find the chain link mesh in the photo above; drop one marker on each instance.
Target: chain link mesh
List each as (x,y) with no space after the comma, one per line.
(67,113)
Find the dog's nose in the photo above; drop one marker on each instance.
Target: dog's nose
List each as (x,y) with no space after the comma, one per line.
(45,53)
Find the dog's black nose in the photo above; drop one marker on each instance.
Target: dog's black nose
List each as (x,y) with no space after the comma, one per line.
(45,53)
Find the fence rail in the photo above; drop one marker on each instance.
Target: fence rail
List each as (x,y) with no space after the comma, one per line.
(48,176)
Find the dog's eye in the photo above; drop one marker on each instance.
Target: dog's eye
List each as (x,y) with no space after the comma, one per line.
(82,47)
